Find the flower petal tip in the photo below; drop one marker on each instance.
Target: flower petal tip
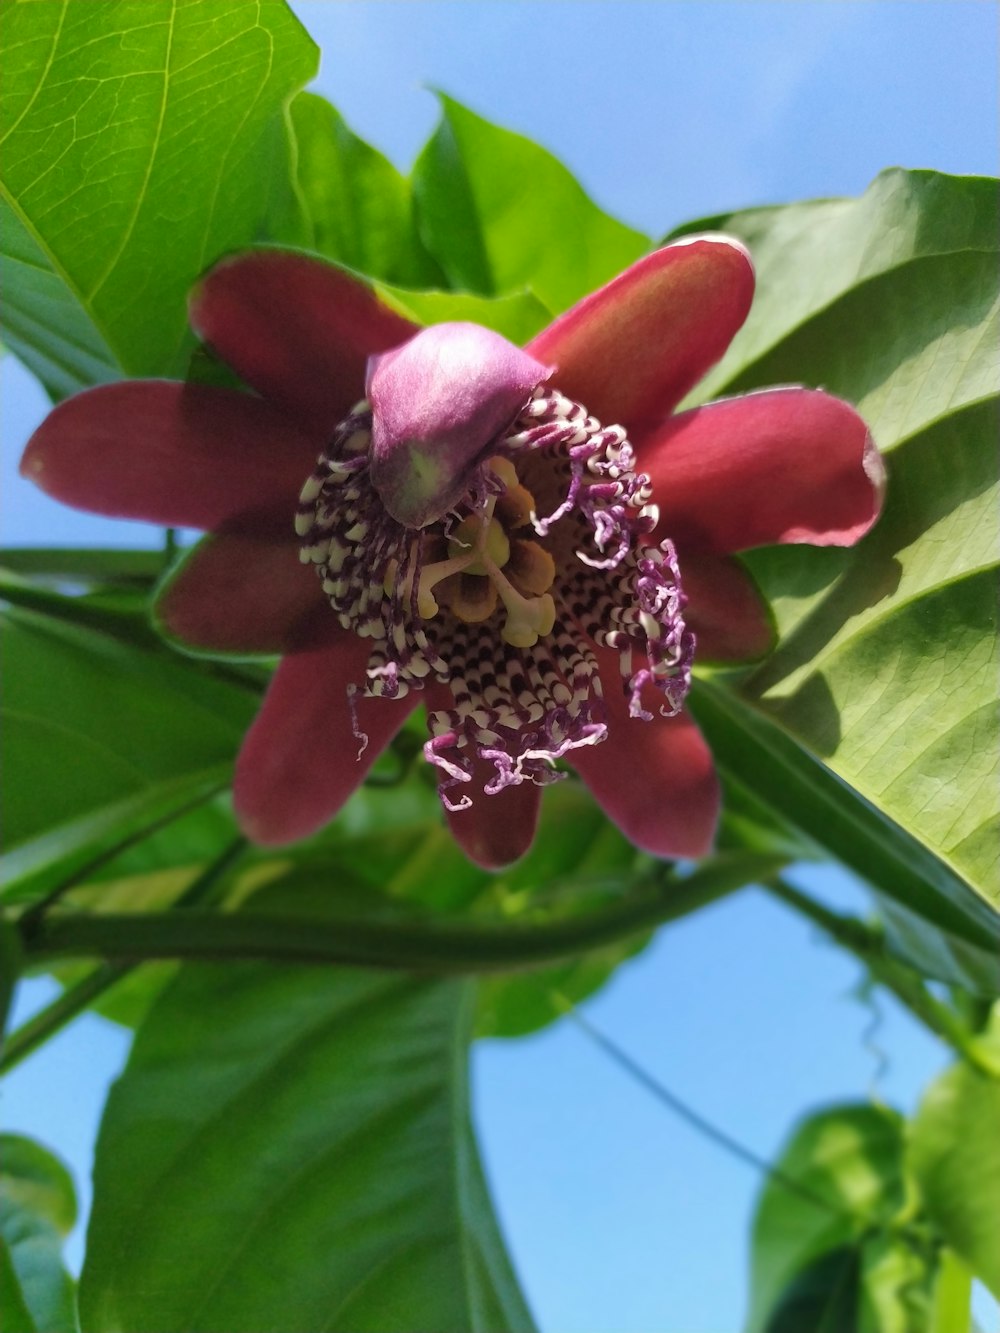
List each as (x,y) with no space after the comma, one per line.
(716,238)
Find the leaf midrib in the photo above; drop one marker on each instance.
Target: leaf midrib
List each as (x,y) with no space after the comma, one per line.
(58,268)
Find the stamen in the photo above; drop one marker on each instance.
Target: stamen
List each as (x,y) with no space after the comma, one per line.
(527,617)
(531,567)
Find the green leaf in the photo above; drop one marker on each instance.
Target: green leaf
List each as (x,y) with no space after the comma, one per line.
(879,1286)
(904,215)
(750,745)
(885,672)
(37,1208)
(138,142)
(847,1163)
(353,206)
(952,1296)
(955,1155)
(127,732)
(518,316)
(500,213)
(822,1298)
(13,1302)
(113,568)
(898,1275)
(313,1163)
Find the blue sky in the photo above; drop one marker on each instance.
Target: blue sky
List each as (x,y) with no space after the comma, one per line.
(621,1219)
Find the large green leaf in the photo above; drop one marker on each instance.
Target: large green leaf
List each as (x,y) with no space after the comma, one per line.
(904,215)
(518,316)
(753,747)
(138,143)
(101,733)
(955,1154)
(37,1209)
(885,672)
(500,213)
(290,1148)
(822,1241)
(350,202)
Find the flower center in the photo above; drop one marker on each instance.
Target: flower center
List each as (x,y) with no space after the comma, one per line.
(481,562)
(504,606)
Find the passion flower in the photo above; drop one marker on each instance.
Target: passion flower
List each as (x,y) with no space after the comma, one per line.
(525,540)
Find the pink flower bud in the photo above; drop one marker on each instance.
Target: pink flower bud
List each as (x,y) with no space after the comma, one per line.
(438,404)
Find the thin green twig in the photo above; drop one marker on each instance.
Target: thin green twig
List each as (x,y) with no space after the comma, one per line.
(867,943)
(694,1118)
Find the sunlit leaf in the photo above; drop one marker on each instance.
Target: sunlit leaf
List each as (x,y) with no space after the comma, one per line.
(138,142)
(349,202)
(886,671)
(518,316)
(500,213)
(904,215)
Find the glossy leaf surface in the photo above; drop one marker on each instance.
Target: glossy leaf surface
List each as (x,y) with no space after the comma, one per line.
(885,672)
(499,213)
(349,202)
(138,141)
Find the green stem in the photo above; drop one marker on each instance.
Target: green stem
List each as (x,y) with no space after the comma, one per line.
(11,962)
(692,1117)
(416,947)
(868,945)
(63,1009)
(67,1006)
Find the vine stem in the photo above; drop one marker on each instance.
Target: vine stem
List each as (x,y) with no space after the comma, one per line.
(868,945)
(689,1115)
(421,946)
(72,1002)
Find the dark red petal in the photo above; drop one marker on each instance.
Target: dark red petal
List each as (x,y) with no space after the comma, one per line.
(781,465)
(495,830)
(655,779)
(185,455)
(631,351)
(298,329)
(239,593)
(300,760)
(730,618)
